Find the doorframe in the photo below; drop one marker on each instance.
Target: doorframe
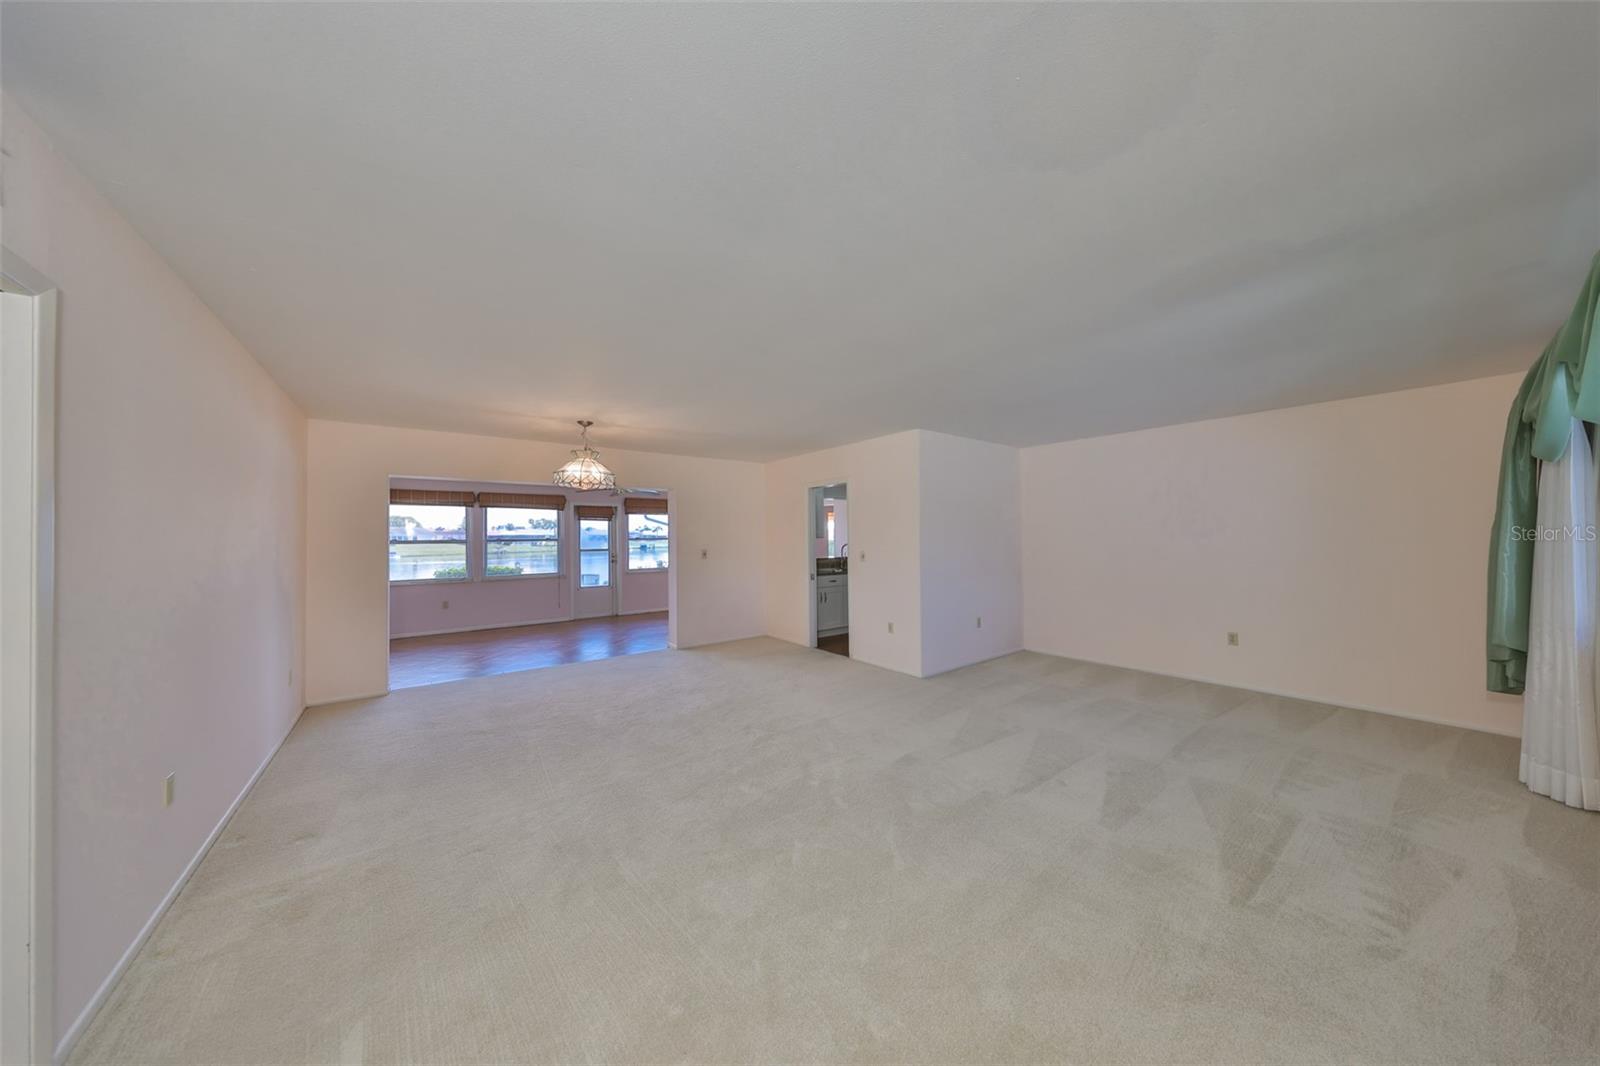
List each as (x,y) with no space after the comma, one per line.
(616,565)
(810,556)
(27,661)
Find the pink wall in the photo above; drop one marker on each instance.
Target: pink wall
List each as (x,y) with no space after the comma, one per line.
(484,604)
(971,551)
(643,590)
(417,609)
(180,567)
(1344,542)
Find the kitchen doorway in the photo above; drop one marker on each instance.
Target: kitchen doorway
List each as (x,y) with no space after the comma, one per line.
(828,535)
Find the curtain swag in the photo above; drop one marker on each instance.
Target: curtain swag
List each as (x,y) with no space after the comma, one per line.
(1564,383)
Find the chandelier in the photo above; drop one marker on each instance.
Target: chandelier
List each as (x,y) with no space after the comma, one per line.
(584,471)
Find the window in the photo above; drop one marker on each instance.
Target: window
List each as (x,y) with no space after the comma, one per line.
(427,542)
(594,551)
(647,541)
(521,540)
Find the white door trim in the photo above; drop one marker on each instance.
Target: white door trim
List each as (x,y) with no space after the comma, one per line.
(27,670)
(812,498)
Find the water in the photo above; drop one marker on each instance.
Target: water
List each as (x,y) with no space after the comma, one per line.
(424,562)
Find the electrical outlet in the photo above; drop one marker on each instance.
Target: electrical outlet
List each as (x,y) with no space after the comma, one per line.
(891,627)
(1233,640)
(980,621)
(169,787)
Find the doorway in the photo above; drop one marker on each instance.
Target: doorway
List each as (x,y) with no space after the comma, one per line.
(491,577)
(27,659)
(596,593)
(828,536)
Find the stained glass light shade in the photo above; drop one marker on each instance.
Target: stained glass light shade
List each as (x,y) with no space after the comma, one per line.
(585,472)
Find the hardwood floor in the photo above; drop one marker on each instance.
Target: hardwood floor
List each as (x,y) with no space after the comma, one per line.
(417,661)
(839,644)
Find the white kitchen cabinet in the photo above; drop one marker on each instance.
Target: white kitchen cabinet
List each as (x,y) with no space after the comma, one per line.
(833,604)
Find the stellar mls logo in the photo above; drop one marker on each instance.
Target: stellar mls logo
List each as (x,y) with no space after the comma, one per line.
(1549,534)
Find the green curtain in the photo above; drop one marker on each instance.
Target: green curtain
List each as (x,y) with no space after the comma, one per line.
(1573,354)
(1511,553)
(1562,384)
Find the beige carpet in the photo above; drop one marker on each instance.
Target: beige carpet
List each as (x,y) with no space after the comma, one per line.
(756,852)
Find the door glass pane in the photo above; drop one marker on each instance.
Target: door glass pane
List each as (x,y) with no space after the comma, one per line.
(594,533)
(594,553)
(594,569)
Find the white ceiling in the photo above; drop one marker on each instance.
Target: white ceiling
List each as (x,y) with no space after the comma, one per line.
(752,231)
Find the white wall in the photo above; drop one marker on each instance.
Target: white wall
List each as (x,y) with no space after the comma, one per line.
(1345,542)
(971,551)
(885,552)
(715,508)
(180,555)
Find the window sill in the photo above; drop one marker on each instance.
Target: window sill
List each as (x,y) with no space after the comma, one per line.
(649,570)
(520,577)
(431,581)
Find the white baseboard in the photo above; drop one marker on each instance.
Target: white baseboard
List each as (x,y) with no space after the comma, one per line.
(481,629)
(1391,712)
(986,657)
(81,1024)
(348,699)
(519,625)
